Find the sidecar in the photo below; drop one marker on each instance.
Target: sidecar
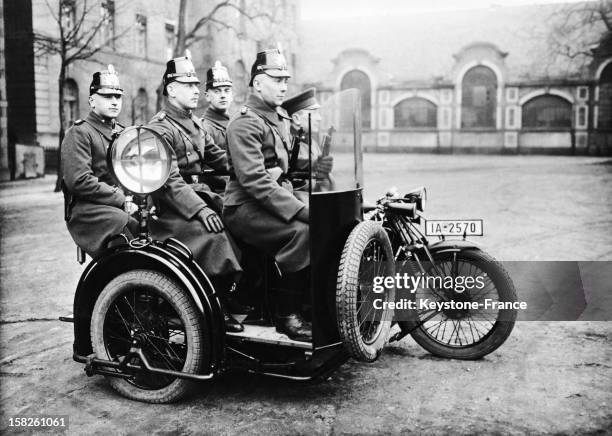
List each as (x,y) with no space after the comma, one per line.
(148,318)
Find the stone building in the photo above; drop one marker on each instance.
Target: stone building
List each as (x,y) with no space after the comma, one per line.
(146,32)
(4,155)
(484,80)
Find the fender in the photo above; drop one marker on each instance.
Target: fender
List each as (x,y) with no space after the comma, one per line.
(163,257)
(450,245)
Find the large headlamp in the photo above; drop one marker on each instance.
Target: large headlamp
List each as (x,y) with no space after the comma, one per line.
(418,196)
(140,159)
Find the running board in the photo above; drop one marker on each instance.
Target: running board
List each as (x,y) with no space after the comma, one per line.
(267,335)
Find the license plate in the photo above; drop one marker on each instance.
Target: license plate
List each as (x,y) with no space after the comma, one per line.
(453,228)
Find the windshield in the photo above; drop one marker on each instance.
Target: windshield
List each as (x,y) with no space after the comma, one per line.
(336,157)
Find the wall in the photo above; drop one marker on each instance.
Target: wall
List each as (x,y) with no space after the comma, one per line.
(4,151)
(21,110)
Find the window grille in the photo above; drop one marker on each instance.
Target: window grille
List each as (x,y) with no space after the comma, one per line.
(604,117)
(360,80)
(415,112)
(479,98)
(547,112)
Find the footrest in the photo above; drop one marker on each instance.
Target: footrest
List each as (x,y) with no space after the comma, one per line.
(268,335)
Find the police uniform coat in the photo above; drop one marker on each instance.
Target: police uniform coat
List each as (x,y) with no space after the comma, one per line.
(260,208)
(215,124)
(195,150)
(179,203)
(96,211)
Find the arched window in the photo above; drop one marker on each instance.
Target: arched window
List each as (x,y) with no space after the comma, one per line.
(604,119)
(140,107)
(71,102)
(479,98)
(415,112)
(360,80)
(547,111)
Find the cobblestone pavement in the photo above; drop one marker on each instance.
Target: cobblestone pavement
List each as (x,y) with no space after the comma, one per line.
(547,378)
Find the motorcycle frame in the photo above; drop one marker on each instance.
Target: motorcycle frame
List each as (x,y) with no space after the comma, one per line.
(417,247)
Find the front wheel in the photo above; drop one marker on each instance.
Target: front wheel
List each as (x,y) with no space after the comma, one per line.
(367,254)
(465,333)
(152,309)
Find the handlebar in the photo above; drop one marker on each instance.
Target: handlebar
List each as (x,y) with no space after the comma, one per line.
(410,204)
(406,206)
(401,208)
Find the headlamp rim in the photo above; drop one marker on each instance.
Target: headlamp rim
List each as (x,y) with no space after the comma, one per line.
(113,145)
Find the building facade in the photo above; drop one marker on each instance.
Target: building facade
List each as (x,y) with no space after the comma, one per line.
(485,80)
(468,81)
(137,37)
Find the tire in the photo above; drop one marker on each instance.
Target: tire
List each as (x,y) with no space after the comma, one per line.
(367,253)
(473,333)
(169,327)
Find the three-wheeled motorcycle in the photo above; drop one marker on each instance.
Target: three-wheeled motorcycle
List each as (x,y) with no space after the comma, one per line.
(148,318)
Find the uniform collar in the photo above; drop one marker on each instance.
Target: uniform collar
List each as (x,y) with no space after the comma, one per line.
(104,126)
(183,117)
(216,116)
(273,115)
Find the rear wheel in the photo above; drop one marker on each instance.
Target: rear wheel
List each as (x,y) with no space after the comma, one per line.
(466,333)
(367,254)
(151,308)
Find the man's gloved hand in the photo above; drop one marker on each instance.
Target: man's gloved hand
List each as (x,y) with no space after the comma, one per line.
(212,222)
(323,166)
(286,183)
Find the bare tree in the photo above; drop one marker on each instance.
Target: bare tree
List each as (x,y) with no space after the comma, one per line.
(578,29)
(186,37)
(78,35)
(190,33)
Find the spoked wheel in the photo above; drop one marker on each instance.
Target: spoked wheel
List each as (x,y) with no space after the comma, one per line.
(367,254)
(148,307)
(465,333)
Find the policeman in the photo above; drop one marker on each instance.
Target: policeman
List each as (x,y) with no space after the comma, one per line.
(190,214)
(195,149)
(303,109)
(95,203)
(260,207)
(219,96)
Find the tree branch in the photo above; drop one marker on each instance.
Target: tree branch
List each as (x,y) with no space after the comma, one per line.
(202,21)
(603,14)
(55,18)
(191,36)
(84,52)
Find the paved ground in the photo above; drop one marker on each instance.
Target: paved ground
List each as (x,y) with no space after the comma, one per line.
(547,378)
